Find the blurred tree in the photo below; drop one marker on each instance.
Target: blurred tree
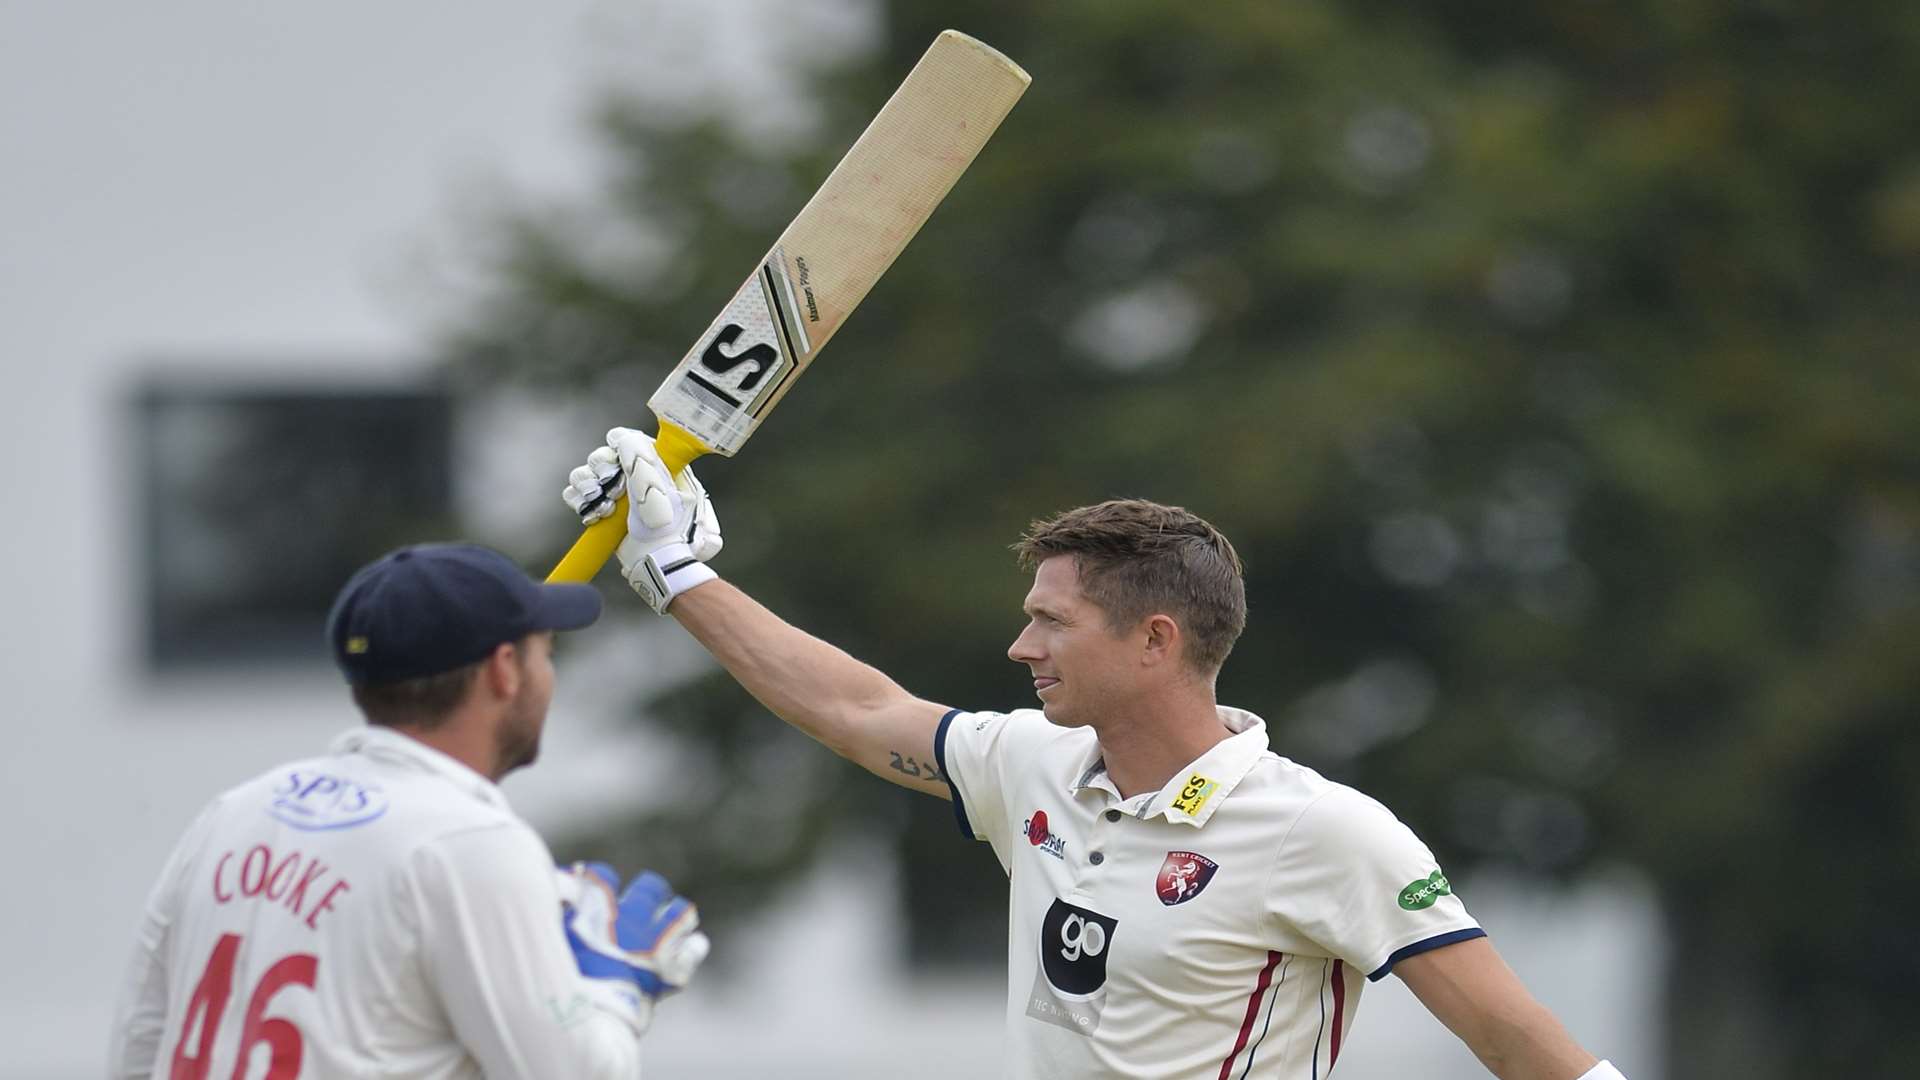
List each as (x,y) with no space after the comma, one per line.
(1554,370)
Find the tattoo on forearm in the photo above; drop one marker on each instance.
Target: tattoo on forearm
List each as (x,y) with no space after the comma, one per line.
(922,770)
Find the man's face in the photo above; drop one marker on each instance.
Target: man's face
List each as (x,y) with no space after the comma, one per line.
(1079,666)
(526,716)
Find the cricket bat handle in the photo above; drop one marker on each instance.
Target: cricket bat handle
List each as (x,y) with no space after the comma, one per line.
(601,539)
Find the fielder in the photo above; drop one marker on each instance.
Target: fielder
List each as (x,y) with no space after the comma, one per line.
(1185,903)
(379,910)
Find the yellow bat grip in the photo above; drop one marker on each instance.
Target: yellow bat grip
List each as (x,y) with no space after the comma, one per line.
(599,540)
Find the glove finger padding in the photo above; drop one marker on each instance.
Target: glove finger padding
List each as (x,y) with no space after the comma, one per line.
(592,488)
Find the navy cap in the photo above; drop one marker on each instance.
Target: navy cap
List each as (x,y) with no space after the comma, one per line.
(431,608)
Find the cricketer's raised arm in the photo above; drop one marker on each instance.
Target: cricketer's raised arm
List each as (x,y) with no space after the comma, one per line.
(852,708)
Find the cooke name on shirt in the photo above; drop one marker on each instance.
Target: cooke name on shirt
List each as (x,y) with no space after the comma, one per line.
(301,883)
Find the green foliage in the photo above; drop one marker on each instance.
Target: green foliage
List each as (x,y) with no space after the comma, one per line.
(1553,369)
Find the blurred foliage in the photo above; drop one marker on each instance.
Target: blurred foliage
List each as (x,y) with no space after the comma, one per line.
(1553,368)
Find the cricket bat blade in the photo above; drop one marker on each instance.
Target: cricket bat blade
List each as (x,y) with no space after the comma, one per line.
(823,265)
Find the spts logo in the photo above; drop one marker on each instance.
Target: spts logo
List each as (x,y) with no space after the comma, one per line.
(1424,893)
(1182,875)
(317,802)
(1074,943)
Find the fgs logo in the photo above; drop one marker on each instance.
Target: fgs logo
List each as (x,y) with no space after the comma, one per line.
(1194,794)
(1074,943)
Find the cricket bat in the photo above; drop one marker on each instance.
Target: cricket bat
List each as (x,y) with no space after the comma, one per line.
(823,265)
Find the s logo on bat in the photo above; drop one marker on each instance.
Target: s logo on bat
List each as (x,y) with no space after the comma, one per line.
(715,359)
(750,352)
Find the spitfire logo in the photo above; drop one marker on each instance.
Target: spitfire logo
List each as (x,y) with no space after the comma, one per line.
(1037,835)
(1182,876)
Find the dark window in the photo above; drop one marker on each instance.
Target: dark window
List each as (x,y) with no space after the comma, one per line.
(257,503)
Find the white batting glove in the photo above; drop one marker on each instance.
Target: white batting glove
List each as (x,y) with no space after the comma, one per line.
(672,529)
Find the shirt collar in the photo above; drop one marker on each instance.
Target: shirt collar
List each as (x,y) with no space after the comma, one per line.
(1194,792)
(392,747)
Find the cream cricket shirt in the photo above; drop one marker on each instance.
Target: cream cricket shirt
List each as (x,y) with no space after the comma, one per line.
(376,912)
(1222,926)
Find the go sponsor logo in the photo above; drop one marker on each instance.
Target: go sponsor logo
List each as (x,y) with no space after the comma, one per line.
(1074,943)
(1070,989)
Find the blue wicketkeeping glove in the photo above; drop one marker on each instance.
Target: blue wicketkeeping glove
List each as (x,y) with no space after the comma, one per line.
(634,950)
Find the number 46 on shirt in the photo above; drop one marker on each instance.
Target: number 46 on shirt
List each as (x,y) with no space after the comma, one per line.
(209,1005)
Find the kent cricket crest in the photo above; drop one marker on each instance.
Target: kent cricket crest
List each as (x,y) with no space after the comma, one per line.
(1183,874)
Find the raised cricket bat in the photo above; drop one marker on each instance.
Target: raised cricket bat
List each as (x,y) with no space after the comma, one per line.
(820,269)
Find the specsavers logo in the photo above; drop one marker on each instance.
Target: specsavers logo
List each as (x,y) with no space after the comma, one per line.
(1422,894)
(1194,794)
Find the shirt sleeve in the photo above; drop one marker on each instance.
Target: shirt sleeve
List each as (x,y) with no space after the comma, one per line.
(494,948)
(972,749)
(1353,879)
(140,1017)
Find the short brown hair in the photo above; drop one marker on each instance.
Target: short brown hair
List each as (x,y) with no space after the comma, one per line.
(423,703)
(1137,558)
